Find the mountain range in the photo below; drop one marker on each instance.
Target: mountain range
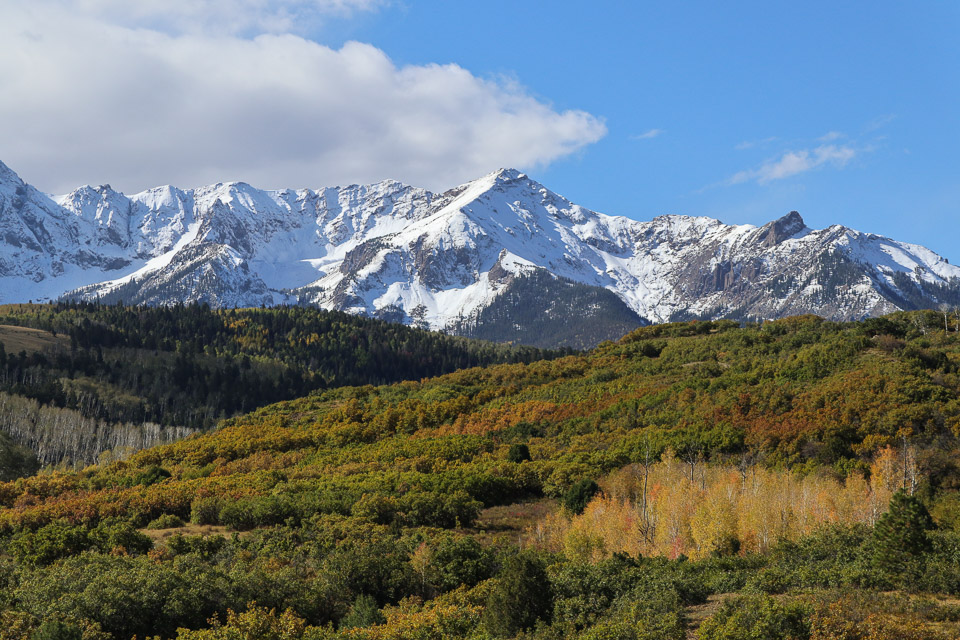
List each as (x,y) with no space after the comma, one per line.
(502,257)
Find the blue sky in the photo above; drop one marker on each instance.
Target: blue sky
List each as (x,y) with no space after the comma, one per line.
(846,112)
(724,88)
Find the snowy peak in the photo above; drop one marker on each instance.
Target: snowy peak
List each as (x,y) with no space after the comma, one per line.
(8,177)
(508,175)
(100,206)
(440,260)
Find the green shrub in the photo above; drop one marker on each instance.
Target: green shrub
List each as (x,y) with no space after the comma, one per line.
(150,475)
(727,574)
(128,595)
(49,543)
(518,453)
(583,592)
(206,510)
(946,511)
(376,507)
(239,514)
(110,535)
(770,580)
(434,509)
(653,612)
(204,546)
(248,513)
(830,557)
(757,618)
(458,561)
(60,540)
(56,630)
(376,567)
(942,564)
(363,613)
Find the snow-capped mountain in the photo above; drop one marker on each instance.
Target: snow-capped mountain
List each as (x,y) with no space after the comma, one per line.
(440,260)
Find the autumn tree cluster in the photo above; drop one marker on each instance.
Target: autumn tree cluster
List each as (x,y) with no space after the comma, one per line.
(675,508)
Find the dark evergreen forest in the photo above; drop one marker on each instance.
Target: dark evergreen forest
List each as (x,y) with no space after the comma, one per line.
(186,367)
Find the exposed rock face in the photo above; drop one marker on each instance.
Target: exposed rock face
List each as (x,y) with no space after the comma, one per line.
(773,233)
(403,253)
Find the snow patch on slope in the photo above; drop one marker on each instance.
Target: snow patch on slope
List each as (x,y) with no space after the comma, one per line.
(154,264)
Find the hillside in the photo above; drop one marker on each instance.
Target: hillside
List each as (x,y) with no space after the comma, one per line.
(621,493)
(77,380)
(544,311)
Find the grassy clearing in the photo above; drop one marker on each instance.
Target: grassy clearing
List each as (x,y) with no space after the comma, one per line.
(517,517)
(696,614)
(190,529)
(17,339)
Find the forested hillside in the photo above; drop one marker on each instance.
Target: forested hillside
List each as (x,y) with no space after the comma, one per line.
(15,461)
(795,479)
(79,379)
(544,310)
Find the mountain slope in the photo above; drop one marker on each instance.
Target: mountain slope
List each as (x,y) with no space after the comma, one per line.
(401,253)
(542,309)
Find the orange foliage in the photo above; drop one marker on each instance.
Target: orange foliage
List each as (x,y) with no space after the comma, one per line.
(499,418)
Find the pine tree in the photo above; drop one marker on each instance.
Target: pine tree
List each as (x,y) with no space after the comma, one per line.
(575,499)
(521,597)
(363,613)
(518,453)
(900,539)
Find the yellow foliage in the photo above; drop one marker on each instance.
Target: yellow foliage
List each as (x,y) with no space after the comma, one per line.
(698,510)
(452,615)
(256,623)
(845,619)
(714,522)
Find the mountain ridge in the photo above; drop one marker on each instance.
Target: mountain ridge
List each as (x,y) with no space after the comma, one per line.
(392,250)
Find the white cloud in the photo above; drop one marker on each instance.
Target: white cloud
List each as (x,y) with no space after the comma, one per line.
(750,144)
(830,136)
(793,163)
(879,122)
(215,16)
(647,135)
(86,101)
